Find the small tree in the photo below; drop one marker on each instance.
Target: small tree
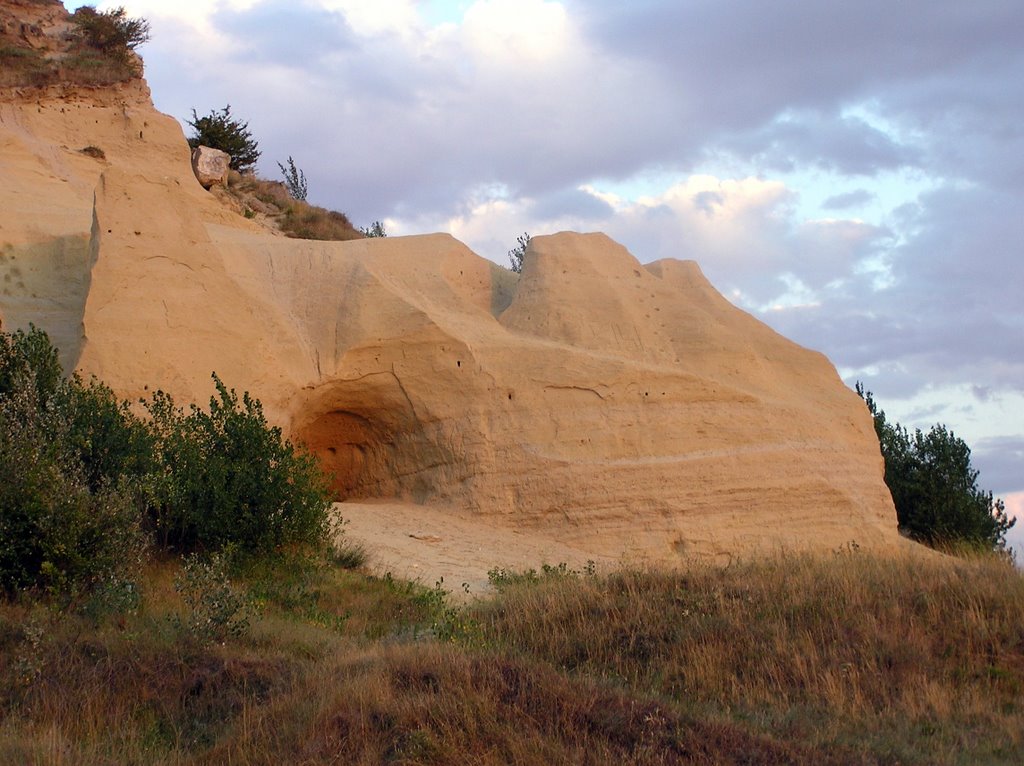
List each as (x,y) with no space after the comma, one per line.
(220,130)
(515,255)
(375,229)
(935,488)
(294,180)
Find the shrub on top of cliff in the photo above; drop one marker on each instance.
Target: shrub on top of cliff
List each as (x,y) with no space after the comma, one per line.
(516,254)
(375,229)
(294,180)
(230,478)
(113,34)
(220,130)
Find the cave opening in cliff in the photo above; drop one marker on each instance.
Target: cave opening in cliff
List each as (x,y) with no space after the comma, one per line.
(353,450)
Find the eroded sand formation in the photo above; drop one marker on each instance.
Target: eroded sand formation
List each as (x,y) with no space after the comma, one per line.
(607,406)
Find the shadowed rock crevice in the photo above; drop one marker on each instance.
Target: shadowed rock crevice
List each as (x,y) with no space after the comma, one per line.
(371,441)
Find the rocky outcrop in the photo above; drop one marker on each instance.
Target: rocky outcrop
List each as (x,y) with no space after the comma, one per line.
(624,408)
(211,166)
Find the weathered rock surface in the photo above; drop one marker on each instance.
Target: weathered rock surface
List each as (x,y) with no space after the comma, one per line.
(211,166)
(621,408)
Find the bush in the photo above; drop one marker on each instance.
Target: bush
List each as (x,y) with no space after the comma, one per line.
(229,478)
(56,532)
(80,474)
(109,444)
(375,229)
(935,488)
(217,609)
(294,180)
(220,130)
(113,32)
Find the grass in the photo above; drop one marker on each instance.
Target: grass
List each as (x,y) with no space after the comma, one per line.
(841,659)
(296,218)
(76,63)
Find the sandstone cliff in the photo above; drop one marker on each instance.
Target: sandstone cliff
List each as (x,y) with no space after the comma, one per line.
(616,406)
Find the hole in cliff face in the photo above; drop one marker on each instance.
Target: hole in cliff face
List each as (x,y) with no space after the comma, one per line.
(353,450)
(371,439)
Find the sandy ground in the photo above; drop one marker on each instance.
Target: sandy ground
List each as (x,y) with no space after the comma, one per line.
(430,545)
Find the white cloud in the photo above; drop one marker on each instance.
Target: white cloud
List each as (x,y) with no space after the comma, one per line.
(517,31)
(375,17)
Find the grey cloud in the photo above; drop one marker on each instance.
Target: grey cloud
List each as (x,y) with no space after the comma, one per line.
(1000,462)
(845,145)
(848,200)
(277,33)
(571,203)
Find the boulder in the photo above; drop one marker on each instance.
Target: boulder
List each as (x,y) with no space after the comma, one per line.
(211,166)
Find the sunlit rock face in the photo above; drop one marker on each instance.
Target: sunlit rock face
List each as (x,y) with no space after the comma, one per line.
(627,409)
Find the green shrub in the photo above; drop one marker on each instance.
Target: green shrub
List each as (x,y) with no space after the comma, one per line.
(216,608)
(55,533)
(80,475)
(230,478)
(220,130)
(112,32)
(517,253)
(91,425)
(375,229)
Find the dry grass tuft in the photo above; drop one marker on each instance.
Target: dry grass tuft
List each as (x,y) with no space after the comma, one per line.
(295,218)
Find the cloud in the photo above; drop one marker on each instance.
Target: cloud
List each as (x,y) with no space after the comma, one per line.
(1000,460)
(834,142)
(847,200)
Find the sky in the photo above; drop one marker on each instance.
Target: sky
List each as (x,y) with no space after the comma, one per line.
(850,173)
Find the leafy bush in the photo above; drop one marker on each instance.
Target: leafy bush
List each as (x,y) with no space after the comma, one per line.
(228,477)
(217,609)
(294,180)
(97,431)
(80,475)
(935,488)
(220,130)
(56,533)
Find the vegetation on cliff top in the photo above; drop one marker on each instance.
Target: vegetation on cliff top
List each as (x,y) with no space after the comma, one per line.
(99,50)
